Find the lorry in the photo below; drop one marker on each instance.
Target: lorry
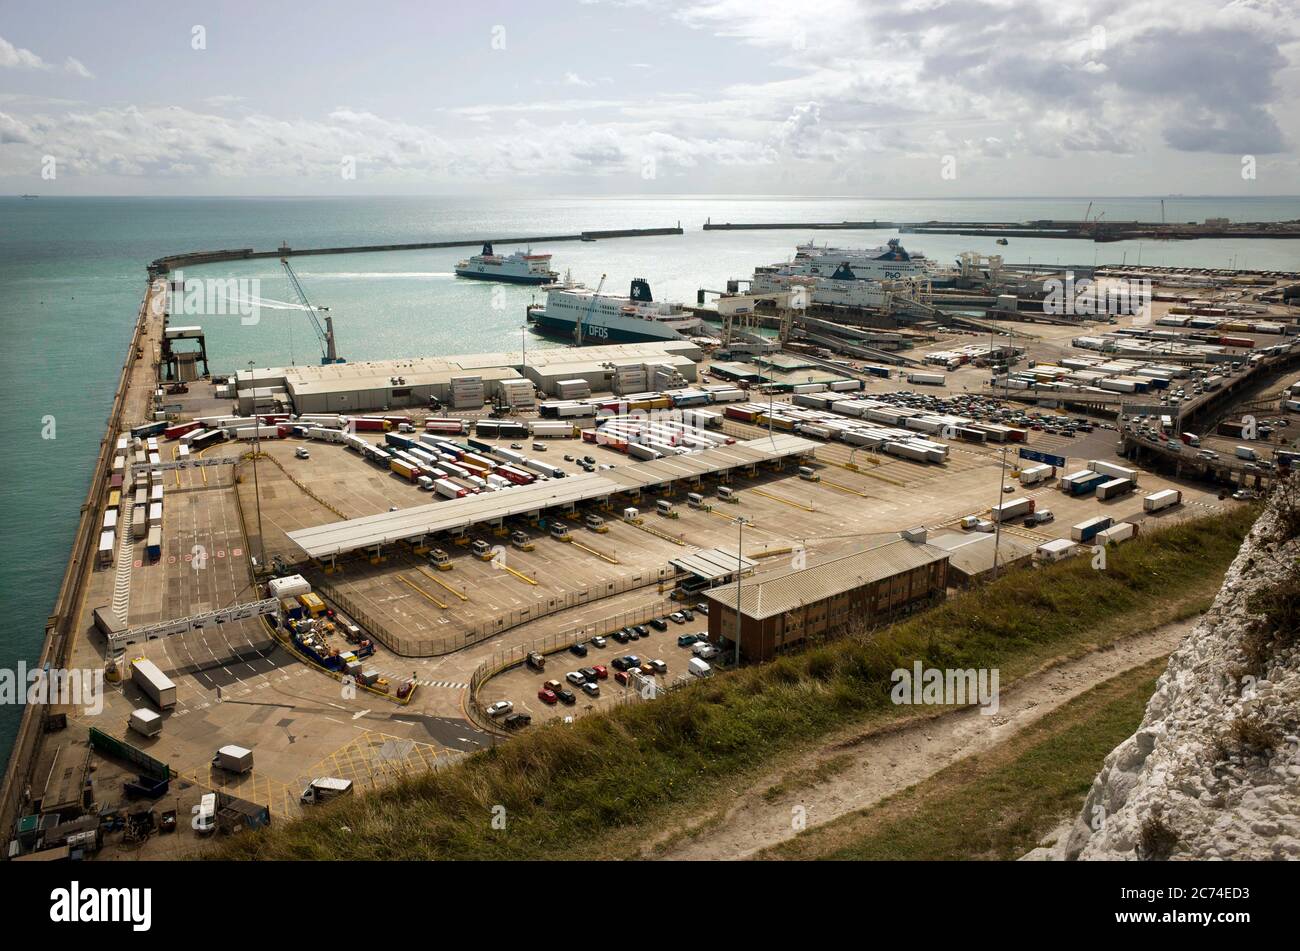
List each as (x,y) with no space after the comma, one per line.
(927,379)
(325,788)
(1119,532)
(1036,474)
(1162,500)
(1191,439)
(146,722)
(1113,489)
(233,759)
(1012,509)
(1087,531)
(156,685)
(1245,452)
(1112,470)
(1084,483)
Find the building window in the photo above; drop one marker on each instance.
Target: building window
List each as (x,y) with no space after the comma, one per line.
(402,391)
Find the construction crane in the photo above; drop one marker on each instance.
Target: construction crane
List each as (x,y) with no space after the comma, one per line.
(329,354)
(577,326)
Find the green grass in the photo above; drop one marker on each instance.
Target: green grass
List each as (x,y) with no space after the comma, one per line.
(997,805)
(581,789)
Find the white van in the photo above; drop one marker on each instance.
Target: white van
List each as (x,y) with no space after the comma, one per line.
(425,483)
(704,649)
(726,493)
(699,668)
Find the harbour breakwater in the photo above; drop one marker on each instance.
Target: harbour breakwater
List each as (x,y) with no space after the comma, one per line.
(171,262)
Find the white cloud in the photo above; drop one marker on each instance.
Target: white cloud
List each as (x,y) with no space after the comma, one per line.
(15,57)
(77,68)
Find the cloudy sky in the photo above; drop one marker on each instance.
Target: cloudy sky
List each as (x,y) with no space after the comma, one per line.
(838,97)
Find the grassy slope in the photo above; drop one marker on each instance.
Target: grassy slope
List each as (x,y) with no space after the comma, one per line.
(1000,804)
(567,788)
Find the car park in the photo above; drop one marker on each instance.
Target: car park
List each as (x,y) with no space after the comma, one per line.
(500,708)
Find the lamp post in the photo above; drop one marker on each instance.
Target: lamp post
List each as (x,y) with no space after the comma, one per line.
(257,494)
(741,522)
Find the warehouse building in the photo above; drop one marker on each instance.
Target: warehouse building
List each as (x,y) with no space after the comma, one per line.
(868,587)
(396,384)
(971,554)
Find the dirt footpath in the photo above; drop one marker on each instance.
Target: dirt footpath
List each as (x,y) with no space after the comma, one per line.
(859,771)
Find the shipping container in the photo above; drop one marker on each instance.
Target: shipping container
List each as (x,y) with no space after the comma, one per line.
(449,489)
(153,547)
(928,379)
(1035,474)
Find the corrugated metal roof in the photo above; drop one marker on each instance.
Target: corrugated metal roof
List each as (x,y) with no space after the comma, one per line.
(335,538)
(973,554)
(713,563)
(777,595)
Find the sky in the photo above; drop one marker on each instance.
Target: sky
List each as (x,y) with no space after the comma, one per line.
(905,98)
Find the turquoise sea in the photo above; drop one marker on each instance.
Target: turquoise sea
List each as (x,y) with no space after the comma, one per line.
(72,272)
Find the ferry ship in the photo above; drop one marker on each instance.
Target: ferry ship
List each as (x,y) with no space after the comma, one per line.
(890,262)
(521,267)
(841,288)
(609,318)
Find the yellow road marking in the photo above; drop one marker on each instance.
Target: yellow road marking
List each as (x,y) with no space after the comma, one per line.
(420,591)
(598,554)
(777,498)
(433,577)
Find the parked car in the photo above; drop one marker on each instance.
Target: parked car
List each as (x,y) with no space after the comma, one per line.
(621,637)
(546,696)
(688,614)
(621,677)
(591,690)
(659,624)
(578,649)
(517,721)
(598,642)
(588,673)
(575,677)
(567,697)
(500,708)
(702,607)
(536,661)
(686,640)
(660,667)
(632,634)
(602,672)
(552,685)
(641,630)
(619,663)
(677,617)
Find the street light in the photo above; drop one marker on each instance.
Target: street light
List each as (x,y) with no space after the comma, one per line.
(741,522)
(257,495)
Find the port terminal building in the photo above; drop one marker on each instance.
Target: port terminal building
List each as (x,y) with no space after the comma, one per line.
(395,384)
(784,611)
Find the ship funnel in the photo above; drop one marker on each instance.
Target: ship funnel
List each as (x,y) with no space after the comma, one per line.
(640,290)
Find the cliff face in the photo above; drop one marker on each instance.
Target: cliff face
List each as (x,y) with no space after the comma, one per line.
(1214,769)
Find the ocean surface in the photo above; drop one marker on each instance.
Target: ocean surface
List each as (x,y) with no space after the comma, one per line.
(72,273)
